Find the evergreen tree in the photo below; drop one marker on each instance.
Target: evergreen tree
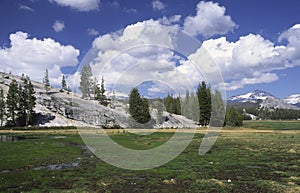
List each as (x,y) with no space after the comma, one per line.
(2,107)
(138,107)
(12,103)
(204,99)
(30,102)
(102,98)
(233,118)
(158,105)
(218,110)
(22,102)
(173,105)
(86,81)
(64,83)
(46,81)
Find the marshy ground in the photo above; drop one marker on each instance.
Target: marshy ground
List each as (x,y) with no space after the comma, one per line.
(262,157)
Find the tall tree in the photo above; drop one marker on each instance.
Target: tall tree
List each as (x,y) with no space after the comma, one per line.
(204,99)
(86,81)
(46,81)
(12,103)
(30,102)
(64,83)
(101,97)
(2,107)
(138,107)
(22,102)
(218,110)
(233,118)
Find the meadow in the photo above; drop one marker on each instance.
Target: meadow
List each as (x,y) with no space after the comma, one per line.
(260,157)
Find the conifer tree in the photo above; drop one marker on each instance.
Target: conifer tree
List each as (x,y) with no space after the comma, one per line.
(233,118)
(138,107)
(204,99)
(64,83)
(218,110)
(102,98)
(12,103)
(46,81)
(30,102)
(86,81)
(2,107)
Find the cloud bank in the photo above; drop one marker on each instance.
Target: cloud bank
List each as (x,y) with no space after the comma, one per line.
(33,56)
(79,5)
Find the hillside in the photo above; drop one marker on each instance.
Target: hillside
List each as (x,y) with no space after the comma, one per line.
(57,108)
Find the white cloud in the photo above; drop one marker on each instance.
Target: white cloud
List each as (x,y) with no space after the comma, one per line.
(292,51)
(170,20)
(262,78)
(131,10)
(58,25)
(33,56)
(158,5)
(25,7)
(253,59)
(115,4)
(80,5)
(209,20)
(139,53)
(92,32)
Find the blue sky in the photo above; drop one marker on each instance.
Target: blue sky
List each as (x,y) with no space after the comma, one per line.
(59,33)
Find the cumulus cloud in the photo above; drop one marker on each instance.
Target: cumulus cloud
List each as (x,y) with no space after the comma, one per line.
(92,32)
(58,25)
(292,52)
(80,5)
(209,20)
(158,5)
(253,59)
(25,8)
(33,56)
(140,52)
(170,20)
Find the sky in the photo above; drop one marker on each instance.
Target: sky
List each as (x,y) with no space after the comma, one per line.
(237,46)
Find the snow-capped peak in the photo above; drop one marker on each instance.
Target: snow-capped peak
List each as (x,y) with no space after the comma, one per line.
(253,96)
(293,99)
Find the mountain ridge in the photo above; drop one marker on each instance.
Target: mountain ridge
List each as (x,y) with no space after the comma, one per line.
(265,99)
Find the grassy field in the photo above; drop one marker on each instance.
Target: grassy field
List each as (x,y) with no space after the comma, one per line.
(238,162)
(278,125)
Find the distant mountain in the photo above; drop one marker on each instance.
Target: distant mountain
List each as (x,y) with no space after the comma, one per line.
(253,97)
(261,99)
(293,100)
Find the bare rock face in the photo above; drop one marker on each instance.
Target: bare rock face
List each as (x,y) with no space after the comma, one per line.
(89,112)
(57,108)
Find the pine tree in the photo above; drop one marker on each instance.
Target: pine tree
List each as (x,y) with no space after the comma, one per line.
(30,102)
(204,99)
(218,110)
(86,81)
(138,107)
(12,103)
(22,102)
(64,83)
(233,118)
(46,81)
(2,107)
(102,98)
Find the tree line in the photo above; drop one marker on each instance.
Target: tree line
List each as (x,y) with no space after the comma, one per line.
(204,107)
(17,108)
(90,88)
(271,113)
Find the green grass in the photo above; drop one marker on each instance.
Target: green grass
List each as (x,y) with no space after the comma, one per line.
(254,162)
(278,125)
